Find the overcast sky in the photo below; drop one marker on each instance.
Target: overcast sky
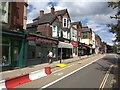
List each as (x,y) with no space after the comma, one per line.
(94,14)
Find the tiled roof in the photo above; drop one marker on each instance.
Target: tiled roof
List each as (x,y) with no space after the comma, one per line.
(47,18)
(59,12)
(86,29)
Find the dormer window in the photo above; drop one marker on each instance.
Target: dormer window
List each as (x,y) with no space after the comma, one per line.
(64,22)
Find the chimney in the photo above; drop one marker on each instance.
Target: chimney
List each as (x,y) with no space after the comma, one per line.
(52,10)
(41,13)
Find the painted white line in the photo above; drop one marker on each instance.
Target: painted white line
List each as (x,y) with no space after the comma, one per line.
(2,84)
(69,74)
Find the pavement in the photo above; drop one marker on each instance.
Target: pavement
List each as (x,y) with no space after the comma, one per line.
(117,71)
(22,71)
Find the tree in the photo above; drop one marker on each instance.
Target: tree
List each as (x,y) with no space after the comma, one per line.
(115,28)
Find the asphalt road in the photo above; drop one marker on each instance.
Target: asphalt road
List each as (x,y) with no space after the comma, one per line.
(97,75)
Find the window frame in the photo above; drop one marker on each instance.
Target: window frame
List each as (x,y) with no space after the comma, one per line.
(65,22)
(85,35)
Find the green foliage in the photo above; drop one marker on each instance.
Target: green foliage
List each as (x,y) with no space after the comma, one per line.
(115,28)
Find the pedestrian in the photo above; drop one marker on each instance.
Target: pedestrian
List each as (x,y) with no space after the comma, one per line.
(50,55)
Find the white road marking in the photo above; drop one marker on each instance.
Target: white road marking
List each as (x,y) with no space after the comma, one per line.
(69,74)
(59,74)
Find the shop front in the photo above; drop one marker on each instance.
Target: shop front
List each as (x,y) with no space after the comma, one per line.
(64,50)
(75,48)
(13,46)
(38,47)
(89,49)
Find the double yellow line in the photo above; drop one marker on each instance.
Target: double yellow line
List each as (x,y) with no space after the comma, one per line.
(102,85)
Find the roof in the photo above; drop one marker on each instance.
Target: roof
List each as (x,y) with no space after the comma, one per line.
(32,30)
(86,29)
(47,18)
(59,12)
(84,26)
(31,25)
(76,23)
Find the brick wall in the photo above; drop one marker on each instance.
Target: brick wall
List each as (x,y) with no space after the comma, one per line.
(45,29)
(17,15)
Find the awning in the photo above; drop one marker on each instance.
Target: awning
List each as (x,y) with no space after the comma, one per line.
(65,45)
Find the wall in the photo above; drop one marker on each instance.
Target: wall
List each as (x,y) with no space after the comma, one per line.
(17,14)
(86,41)
(45,29)
(73,34)
(93,40)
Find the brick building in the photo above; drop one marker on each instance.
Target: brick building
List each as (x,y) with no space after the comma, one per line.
(98,44)
(76,29)
(86,37)
(13,25)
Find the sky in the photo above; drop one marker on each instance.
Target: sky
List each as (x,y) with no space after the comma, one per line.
(93,13)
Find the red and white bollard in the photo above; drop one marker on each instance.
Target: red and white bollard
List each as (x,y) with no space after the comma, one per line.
(48,70)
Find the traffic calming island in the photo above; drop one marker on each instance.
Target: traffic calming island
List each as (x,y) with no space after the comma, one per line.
(61,65)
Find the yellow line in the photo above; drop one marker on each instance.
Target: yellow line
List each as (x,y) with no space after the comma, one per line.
(105,79)
(102,82)
(62,68)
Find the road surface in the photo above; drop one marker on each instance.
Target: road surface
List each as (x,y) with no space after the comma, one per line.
(97,75)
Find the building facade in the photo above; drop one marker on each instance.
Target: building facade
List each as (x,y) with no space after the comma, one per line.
(97,44)
(46,30)
(76,29)
(13,34)
(87,39)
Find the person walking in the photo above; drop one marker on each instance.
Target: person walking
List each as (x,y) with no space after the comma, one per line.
(50,55)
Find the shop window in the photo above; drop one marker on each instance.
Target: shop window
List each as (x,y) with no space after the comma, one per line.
(31,52)
(54,52)
(38,52)
(5,55)
(5,47)
(75,50)
(85,35)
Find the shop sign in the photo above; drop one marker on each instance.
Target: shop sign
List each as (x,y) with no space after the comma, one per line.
(74,43)
(31,43)
(37,39)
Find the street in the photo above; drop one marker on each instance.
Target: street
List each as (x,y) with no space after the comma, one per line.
(59,44)
(91,76)
(94,72)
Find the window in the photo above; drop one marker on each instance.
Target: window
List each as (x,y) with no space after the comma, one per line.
(4,7)
(60,32)
(64,34)
(54,31)
(85,35)
(31,54)
(5,47)
(64,22)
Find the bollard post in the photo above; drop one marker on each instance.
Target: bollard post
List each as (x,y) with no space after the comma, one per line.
(48,70)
